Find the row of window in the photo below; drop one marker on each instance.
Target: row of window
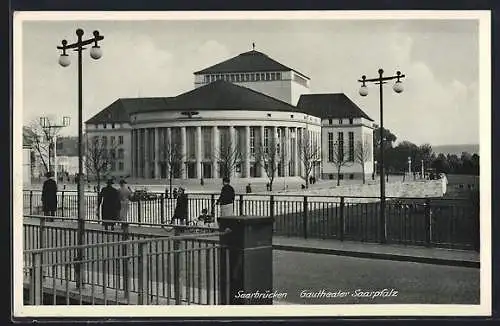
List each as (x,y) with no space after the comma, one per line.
(244,77)
(113,166)
(112,140)
(113,125)
(351,121)
(336,148)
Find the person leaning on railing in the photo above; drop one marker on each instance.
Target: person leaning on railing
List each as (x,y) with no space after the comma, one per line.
(125,194)
(226,198)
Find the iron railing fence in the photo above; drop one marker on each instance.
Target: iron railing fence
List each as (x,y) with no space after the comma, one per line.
(440,222)
(162,270)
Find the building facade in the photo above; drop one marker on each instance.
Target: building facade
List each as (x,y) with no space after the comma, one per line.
(250,107)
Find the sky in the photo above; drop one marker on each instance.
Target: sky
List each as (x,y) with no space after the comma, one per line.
(440,58)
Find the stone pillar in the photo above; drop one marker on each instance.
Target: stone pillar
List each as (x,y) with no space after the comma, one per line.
(198,152)
(286,149)
(215,153)
(261,164)
(146,153)
(232,142)
(157,154)
(169,142)
(250,263)
(184,152)
(248,155)
(274,138)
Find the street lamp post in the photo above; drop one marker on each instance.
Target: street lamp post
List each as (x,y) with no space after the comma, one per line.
(64,61)
(363,91)
(50,131)
(409,165)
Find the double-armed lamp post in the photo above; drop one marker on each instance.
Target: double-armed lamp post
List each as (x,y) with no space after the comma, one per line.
(64,60)
(363,91)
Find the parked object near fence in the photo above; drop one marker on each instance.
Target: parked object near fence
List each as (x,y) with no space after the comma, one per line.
(440,222)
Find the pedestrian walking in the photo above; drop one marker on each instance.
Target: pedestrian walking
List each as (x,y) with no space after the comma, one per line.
(181,207)
(125,194)
(109,202)
(49,196)
(226,198)
(248,189)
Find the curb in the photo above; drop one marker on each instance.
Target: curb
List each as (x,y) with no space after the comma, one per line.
(383,256)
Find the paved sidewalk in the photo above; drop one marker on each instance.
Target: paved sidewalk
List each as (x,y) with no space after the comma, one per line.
(431,255)
(396,252)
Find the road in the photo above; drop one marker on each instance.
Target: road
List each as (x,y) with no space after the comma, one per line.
(416,283)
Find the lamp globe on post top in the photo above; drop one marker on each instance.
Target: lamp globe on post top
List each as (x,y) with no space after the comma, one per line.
(96,51)
(64,60)
(398,86)
(363,90)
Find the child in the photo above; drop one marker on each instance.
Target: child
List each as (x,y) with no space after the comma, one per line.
(204,217)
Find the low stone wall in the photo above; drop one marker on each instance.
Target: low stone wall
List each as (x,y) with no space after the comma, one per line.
(427,188)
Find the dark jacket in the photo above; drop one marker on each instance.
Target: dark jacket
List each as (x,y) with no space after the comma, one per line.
(226,195)
(109,198)
(49,195)
(181,208)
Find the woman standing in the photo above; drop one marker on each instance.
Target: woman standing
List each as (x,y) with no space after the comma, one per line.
(125,194)
(181,208)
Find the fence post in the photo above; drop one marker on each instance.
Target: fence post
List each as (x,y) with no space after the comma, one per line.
(212,204)
(271,206)
(62,203)
(126,261)
(341,218)
(246,259)
(428,222)
(241,205)
(162,208)
(177,266)
(36,293)
(304,220)
(142,284)
(139,210)
(31,202)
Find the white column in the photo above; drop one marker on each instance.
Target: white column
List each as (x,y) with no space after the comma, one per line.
(232,142)
(247,152)
(146,153)
(184,152)
(157,154)
(262,168)
(169,142)
(301,148)
(274,138)
(286,147)
(296,157)
(215,152)
(198,152)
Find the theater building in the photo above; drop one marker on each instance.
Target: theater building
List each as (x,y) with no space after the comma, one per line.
(249,103)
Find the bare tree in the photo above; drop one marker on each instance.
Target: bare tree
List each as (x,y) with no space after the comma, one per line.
(309,153)
(339,159)
(41,141)
(99,157)
(228,157)
(171,159)
(362,154)
(269,157)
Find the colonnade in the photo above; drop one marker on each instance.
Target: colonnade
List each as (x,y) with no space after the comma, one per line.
(151,146)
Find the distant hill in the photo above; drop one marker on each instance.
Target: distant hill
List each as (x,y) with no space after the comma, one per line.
(456,149)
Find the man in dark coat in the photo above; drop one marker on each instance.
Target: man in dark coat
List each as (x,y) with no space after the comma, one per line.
(109,198)
(49,196)
(181,207)
(226,198)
